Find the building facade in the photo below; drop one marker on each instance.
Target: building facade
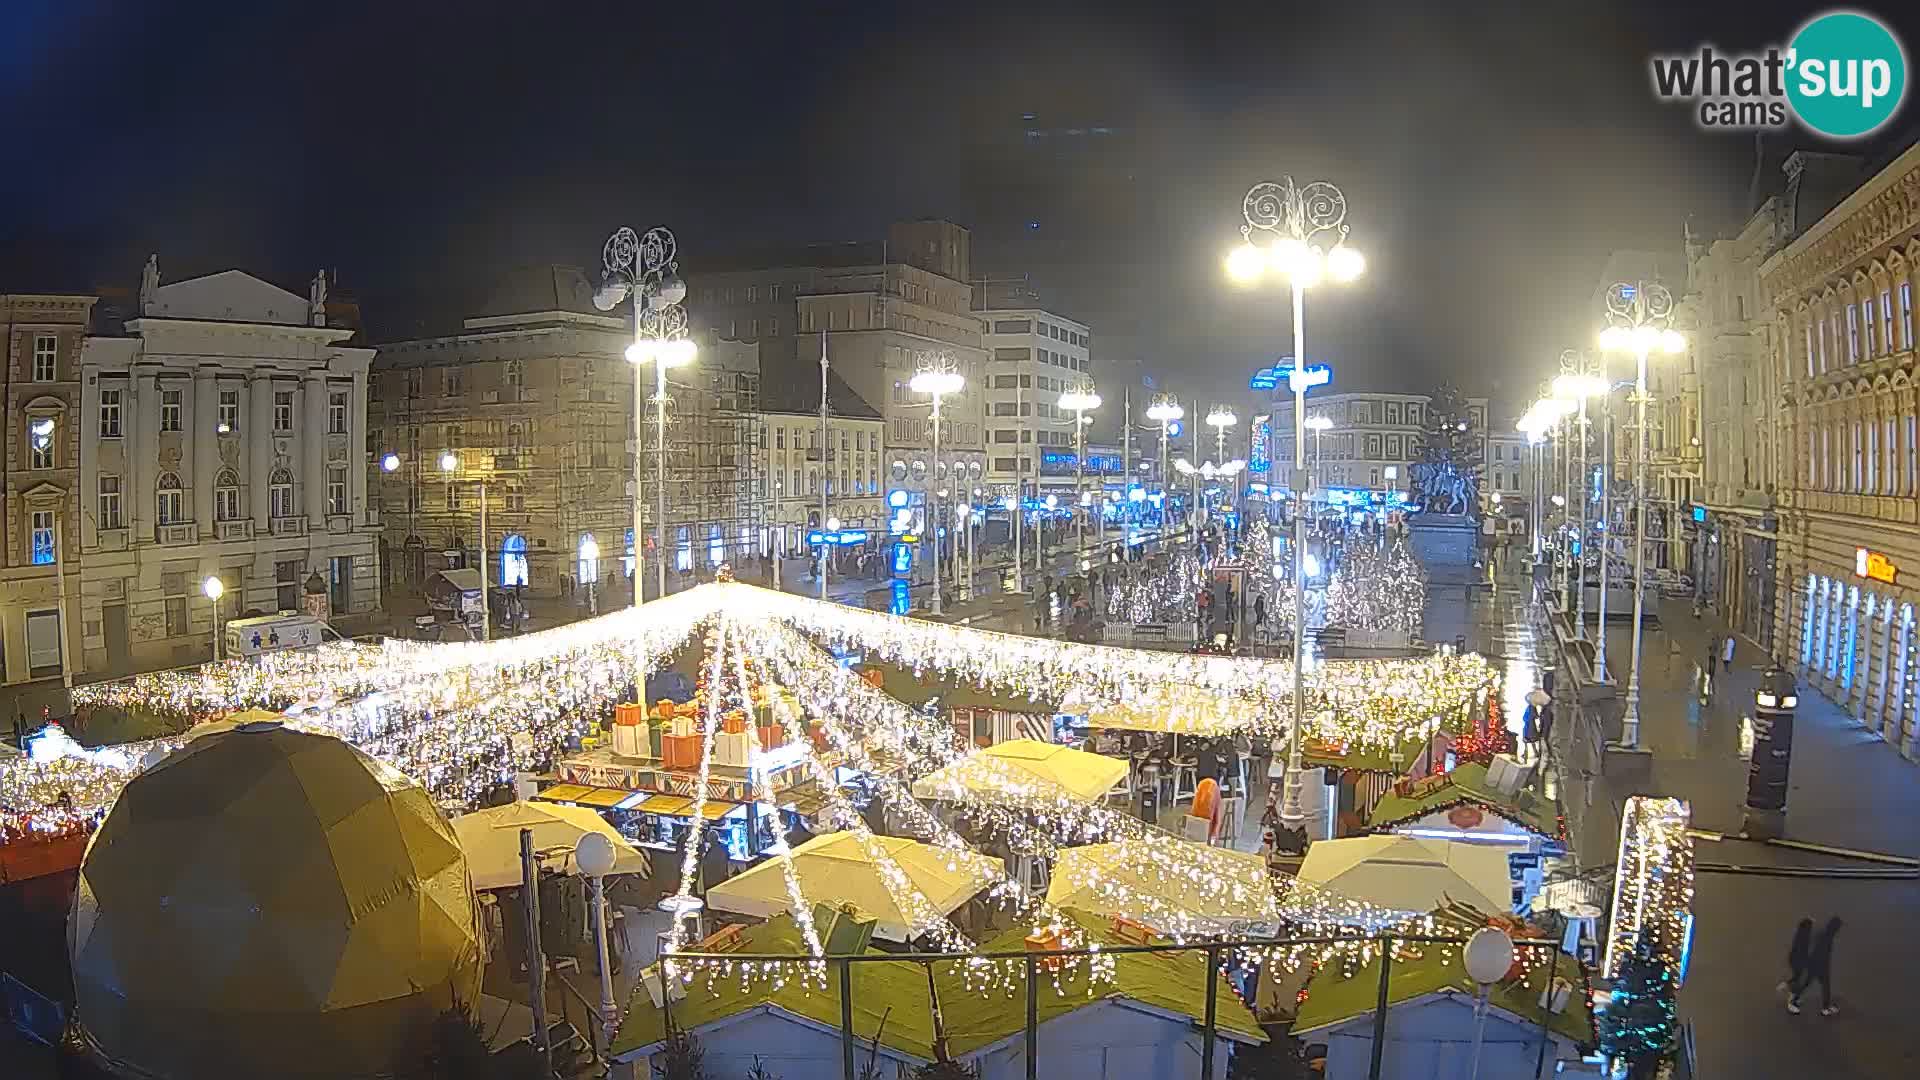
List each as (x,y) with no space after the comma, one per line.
(1841,300)
(1373,441)
(534,398)
(1033,356)
(1732,551)
(222,433)
(1508,469)
(43,336)
(847,472)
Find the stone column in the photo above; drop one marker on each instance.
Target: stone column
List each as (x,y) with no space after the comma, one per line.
(143,467)
(357,449)
(204,445)
(312,437)
(258,435)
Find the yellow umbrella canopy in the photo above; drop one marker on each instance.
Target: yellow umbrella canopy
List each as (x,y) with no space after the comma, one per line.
(491,840)
(1407,873)
(1173,885)
(1087,777)
(839,869)
(267,902)
(1183,710)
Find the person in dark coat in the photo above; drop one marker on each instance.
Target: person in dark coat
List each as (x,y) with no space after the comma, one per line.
(1797,956)
(1819,969)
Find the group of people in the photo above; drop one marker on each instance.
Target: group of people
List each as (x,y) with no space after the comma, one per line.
(1069,603)
(1809,961)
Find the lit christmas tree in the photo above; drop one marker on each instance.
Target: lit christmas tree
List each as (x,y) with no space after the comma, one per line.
(1377,588)
(1639,1022)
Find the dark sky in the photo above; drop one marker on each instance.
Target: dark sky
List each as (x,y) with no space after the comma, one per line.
(1491,154)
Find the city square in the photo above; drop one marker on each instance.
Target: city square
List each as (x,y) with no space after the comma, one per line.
(1122,576)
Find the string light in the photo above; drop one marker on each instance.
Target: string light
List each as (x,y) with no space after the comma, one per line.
(1652,884)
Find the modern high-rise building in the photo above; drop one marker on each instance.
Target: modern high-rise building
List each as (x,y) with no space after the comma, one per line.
(1034,356)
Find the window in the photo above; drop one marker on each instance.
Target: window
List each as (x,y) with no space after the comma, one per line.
(170,410)
(516,501)
(280,494)
(1888,342)
(337,412)
(516,375)
(1013,326)
(451,382)
(42,537)
(1853,333)
(40,442)
(1867,327)
(779,438)
(753,294)
(226,496)
(336,489)
(107,507)
(176,616)
(1906,314)
(283,410)
(110,414)
(1811,371)
(773,293)
(1822,322)
(169,501)
(453,496)
(229,412)
(46,354)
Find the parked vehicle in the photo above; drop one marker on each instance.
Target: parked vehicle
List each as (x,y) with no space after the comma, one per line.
(273,633)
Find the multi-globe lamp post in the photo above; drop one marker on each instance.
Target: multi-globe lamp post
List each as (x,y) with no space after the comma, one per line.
(1574,388)
(1639,316)
(1221,419)
(644,268)
(1080,401)
(936,378)
(1295,222)
(1166,412)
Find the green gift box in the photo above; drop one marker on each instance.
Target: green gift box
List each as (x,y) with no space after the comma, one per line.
(843,930)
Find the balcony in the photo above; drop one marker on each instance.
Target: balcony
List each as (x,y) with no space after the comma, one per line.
(813,453)
(339,523)
(178,534)
(509,462)
(290,526)
(241,529)
(114,539)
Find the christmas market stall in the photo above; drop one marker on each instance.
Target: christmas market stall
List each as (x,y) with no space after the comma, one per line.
(1224,892)
(1404,873)
(879,876)
(981,716)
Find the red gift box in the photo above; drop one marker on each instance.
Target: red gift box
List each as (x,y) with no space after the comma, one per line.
(680,751)
(627,713)
(771,735)
(818,734)
(734,724)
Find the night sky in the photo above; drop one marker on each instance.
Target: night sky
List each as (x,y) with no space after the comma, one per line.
(1491,155)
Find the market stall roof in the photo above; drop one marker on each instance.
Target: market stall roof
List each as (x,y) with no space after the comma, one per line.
(1186,710)
(1333,996)
(1169,982)
(1410,874)
(462,580)
(1088,777)
(1467,784)
(954,693)
(491,839)
(838,869)
(1119,879)
(1366,759)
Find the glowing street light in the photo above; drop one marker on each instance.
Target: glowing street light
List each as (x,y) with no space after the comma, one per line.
(390,462)
(936,378)
(590,558)
(1080,401)
(214,589)
(1639,316)
(1295,222)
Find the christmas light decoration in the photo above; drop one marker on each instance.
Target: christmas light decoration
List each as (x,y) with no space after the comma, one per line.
(1652,885)
(1377,587)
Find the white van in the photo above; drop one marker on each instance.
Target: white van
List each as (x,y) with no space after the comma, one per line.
(272,633)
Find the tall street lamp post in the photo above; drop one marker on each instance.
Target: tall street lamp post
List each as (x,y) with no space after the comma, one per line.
(1318,425)
(1080,401)
(449,465)
(645,269)
(1293,220)
(1220,419)
(590,556)
(1164,411)
(1576,387)
(214,589)
(936,378)
(1639,316)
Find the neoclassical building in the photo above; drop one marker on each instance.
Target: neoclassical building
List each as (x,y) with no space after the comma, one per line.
(1842,302)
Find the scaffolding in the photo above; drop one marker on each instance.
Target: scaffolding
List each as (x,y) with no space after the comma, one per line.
(715,468)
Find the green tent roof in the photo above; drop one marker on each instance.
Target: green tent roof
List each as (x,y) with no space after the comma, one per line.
(1372,759)
(1469,785)
(1172,982)
(1332,997)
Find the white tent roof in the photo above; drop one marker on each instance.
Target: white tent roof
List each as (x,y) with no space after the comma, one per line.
(1410,874)
(491,839)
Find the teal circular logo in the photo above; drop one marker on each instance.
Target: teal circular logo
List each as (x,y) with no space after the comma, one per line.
(1846,74)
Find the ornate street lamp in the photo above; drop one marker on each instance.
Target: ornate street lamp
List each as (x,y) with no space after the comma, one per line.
(1080,401)
(936,378)
(645,268)
(1293,223)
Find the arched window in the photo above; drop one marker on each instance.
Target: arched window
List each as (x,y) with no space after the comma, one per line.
(169,500)
(516,375)
(516,438)
(226,496)
(513,560)
(280,494)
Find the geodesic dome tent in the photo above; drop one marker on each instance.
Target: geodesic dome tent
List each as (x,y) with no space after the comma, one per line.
(266,902)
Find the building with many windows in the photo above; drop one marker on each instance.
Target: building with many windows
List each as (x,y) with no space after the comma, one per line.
(1033,356)
(42,337)
(1372,440)
(1841,297)
(847,472)
(221,431)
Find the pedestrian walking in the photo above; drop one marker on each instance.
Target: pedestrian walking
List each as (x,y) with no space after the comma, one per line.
(1819,970)
(1726,654)
(1797,954)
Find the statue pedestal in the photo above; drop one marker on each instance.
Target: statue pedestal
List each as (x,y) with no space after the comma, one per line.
(1444,544)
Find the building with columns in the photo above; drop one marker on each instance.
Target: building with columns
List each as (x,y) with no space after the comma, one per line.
(1841,299)
(41,338)
(222,431)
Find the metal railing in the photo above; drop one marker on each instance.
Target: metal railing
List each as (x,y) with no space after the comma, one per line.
(840,970)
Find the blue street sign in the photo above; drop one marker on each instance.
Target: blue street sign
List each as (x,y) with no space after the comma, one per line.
(1301,379)
(843,537)
(1174,429)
